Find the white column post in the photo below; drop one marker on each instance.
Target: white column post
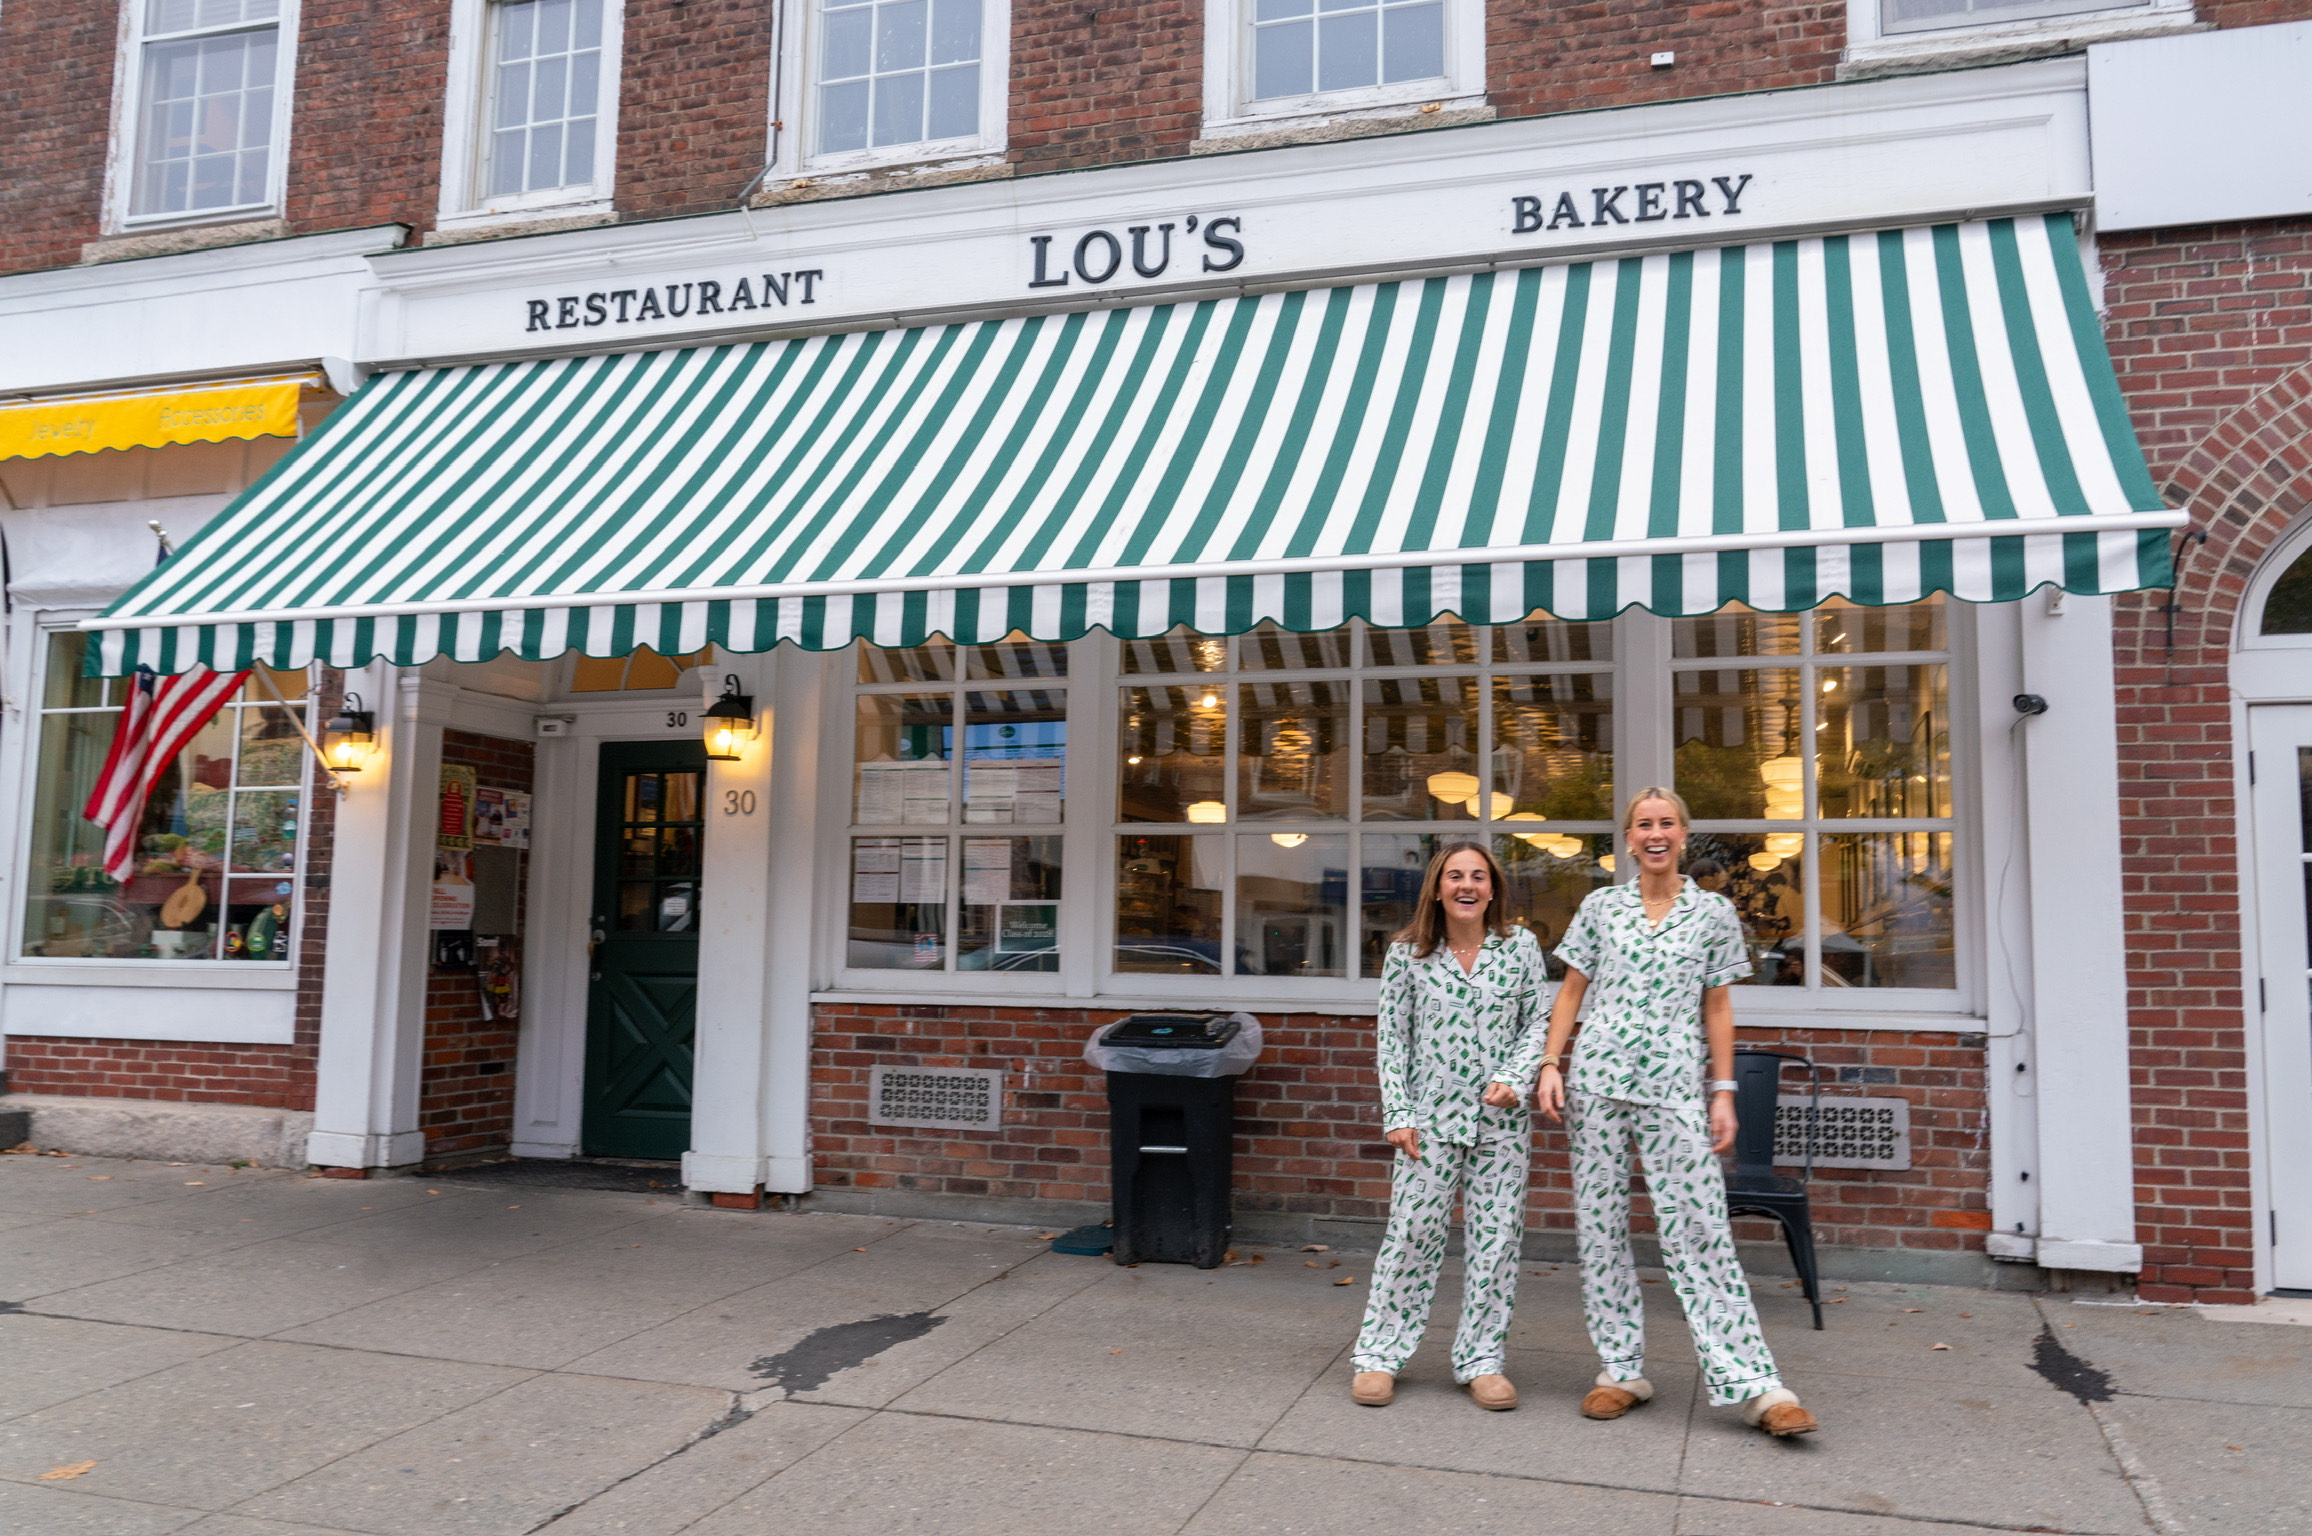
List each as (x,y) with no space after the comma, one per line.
(373,987)
(730,1152)
(2079,1060)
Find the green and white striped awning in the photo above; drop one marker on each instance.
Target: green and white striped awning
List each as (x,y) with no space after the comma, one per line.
(1877,416)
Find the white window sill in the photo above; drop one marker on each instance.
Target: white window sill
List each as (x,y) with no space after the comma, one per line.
(924,159)
(578,203)
(1956,46)
(200,975)
(155,223)
(1427,98)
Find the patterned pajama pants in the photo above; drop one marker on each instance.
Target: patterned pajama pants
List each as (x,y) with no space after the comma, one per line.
(1689,1195)
(1490,1177)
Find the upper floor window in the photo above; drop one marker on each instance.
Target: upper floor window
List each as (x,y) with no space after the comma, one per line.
(1269,59)
(1304,46)
(545,84)
(207,89)
(897,79)
(1932,15)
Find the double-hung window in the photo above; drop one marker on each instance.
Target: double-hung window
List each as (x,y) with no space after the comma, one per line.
(534,98)
(215,866)
(905,79)
(209,96)
(1269,59)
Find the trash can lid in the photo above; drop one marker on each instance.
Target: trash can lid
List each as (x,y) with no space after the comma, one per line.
(1175,1031)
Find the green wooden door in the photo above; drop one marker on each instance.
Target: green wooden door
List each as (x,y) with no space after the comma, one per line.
(642,996)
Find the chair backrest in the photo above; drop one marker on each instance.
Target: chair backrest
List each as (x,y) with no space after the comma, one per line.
(1757,1094)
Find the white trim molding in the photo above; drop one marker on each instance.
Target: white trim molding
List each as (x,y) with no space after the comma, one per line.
(465,130)
(1232,110)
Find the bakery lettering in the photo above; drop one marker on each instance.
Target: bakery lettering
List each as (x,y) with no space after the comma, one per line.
(1637,202)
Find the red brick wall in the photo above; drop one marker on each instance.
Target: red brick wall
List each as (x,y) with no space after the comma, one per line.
(55,116)
(1097,85)
(1309,1139)
(365,140)
(466,1085)
(2211,329)
(694,105)
(1563,58)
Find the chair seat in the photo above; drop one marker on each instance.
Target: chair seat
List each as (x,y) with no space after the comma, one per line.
(1769,1184)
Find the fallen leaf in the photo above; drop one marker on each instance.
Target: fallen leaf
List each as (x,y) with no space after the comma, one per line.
(1346,1280)
(1115,1351)
(1310,1264)
(1258,1258)
(100,1177)
(433,1191)
(2234,1447)
(1966,1314)
(1316,1247)
(1335,1264)
(1045,1237)
(1835,1300)
(1914,1309)
(66,1474)
(1938,1346)
(510,1207)
(1229,1257)
(858,1250)
(195,1183)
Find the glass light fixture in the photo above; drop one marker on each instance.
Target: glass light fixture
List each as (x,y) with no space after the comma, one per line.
(1288,839)
(349,737)
(1206,811)
(1454,788)
(1762,862)
(729,723)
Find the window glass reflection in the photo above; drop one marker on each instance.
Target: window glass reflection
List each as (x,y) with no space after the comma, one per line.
(1420,749)
(1886,910)
(903,741)
(1882,742)
(1173,748)
(1549,873)
(899,888)
(1553,747)
(1737,631)
(1168,905)
(1015,748)
(1737,734)
(1764,875)
(1011,905)
(1291,904)
(1292,744)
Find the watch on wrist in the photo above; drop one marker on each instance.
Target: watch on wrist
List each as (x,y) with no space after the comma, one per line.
(1724,1085)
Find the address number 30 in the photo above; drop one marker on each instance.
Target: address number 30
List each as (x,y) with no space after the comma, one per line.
(738,802)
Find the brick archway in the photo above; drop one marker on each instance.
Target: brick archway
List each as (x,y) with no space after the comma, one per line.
(2243,481)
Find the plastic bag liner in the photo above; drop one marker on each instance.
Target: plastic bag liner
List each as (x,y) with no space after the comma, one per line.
(1230,1060)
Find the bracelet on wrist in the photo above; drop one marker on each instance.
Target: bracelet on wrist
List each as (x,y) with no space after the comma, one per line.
(1724,1085)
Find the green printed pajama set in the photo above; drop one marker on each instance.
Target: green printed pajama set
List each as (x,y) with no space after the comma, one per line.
(1636,1080)
(1443,1036)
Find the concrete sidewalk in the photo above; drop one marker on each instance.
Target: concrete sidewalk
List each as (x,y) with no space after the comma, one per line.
(221,1353)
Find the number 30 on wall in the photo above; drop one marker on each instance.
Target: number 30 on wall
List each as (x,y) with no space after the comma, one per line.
(738,802)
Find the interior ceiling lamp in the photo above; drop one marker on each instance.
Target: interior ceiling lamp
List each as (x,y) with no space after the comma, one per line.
(349,737)
(1566,847)
(1541,840)
(1784,845)
(1787,772)
(1762,862)
(1207,811)
(1501,804)
(729,722)
(1454,788)
(1288,839)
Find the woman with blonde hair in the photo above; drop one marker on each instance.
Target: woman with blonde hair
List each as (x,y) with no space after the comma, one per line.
(1648,968)
(1461,1002)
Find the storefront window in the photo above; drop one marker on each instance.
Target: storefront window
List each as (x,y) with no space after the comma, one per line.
(1815,751)
(217,851)
(946,739)
(1505,734)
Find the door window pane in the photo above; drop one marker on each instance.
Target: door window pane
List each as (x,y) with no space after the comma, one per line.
(1174,747)
(1015,747)
(544,80)
(1011,905)
(1737,735)
(1168,905)
(902,744)
(1553,747)
(1292,904)
(1420,757)
(1882,742)
(1292,744)
(1886,910)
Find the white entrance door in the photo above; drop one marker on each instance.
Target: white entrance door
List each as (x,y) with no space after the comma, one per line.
(2281,737)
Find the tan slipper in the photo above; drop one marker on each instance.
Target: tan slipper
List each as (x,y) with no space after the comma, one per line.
(1610,1399)
(1374,1389)
(1780,1414)
(1493,1392)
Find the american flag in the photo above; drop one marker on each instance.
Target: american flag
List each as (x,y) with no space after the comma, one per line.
(159,717)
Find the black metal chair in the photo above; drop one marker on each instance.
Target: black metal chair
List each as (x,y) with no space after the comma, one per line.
(1753,1187)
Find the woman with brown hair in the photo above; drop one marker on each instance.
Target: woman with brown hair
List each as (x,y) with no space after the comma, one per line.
(1461,992)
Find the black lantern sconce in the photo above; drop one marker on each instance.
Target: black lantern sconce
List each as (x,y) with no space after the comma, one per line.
(730,722)
(349,737)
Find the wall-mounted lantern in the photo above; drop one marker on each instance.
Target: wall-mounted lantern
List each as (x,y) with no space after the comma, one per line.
(349,737)
(730,722)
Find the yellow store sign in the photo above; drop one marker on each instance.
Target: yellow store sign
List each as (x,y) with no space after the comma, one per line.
(209,413)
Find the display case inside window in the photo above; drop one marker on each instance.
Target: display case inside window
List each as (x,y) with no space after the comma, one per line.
(1294,859)
(215,876)
(952,745)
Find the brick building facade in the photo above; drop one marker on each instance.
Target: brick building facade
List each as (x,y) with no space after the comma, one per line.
(2209,328)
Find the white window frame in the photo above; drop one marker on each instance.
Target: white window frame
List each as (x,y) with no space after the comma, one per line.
(795,104)
(1641,671)
(1230,110)
(128,125)
(1871,41)
(2285,552)
(466,129)
(212,972)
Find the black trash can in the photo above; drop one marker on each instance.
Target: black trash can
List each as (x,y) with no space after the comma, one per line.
(1171,1140)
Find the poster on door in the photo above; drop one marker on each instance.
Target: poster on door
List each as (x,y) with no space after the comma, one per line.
(455,826)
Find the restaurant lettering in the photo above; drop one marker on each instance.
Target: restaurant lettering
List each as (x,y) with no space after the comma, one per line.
(1642,202)
(1102,256)
(675,301)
